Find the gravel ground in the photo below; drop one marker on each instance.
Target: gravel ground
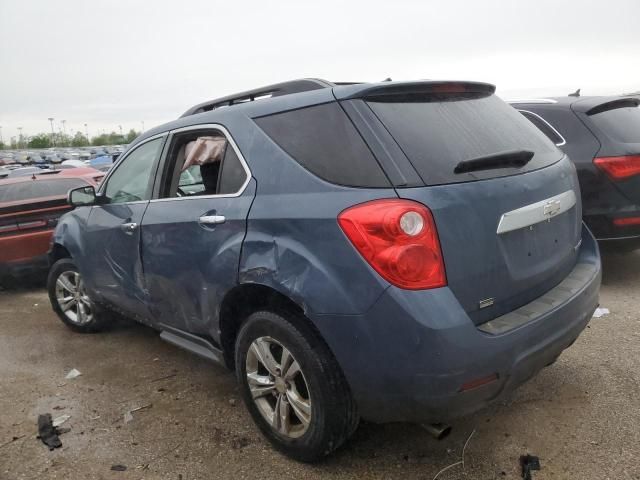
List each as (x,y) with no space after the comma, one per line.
(581,416)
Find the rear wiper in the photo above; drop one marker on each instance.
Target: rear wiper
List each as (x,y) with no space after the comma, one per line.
(513,158)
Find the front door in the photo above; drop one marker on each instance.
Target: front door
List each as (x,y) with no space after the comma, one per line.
(114,274)
(192,235)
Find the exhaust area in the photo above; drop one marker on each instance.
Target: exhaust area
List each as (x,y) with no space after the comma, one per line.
(438,431)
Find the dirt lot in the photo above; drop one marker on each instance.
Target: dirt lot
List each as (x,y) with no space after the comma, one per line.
(581,415)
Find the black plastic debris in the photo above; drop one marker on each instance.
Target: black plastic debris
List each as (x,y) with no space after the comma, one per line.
(118,468)
(528,464)
(47,432)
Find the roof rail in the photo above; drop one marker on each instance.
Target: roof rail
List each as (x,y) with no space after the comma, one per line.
(276,90)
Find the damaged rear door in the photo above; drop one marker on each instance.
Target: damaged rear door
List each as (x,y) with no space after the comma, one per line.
(192,234)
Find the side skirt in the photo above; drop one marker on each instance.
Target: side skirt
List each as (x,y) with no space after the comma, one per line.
(193,343)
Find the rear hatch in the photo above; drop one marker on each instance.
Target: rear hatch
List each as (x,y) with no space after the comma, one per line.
(616,124)
(505,200)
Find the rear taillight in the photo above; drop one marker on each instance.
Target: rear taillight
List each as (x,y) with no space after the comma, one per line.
(626,222)
(399,240)
(619,168)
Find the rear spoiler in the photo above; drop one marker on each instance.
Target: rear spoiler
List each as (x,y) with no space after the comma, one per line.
(390,91)
(613,104)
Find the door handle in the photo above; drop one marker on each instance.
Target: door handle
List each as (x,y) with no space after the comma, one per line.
(212,219)
(129,228)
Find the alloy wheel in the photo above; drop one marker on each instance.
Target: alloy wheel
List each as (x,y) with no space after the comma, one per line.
(73,299)
(278,387)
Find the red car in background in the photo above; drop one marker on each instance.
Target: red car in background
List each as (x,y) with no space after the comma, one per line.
(30,207)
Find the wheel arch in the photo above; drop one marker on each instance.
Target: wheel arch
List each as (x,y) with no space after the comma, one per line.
(247,298)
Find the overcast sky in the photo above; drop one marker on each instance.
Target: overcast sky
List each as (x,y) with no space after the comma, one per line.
(110,63)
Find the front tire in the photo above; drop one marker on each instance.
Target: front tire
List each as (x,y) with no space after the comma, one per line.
(293,387)
(70,301)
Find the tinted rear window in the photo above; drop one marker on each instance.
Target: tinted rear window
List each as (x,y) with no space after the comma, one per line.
(438,132)
(38,188)
(621,124)
(323,140)
(544,126)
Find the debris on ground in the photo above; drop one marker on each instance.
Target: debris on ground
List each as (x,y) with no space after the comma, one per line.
(47,432)
(128,417)
(529,463)
(118,468)
(600,312)
(164,377)
(232,402)
(73,373)
(461,462)
(148,405)
(239,442)
(60,420)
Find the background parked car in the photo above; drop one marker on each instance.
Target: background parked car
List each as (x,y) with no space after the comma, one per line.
(602,137)
(30,207)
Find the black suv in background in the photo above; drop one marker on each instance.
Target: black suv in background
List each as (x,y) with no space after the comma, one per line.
(602,137)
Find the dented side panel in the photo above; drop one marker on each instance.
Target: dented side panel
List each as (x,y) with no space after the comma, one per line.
(112,266)
(294,243)
(190,266)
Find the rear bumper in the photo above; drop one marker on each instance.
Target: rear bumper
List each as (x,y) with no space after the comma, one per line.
(408,358)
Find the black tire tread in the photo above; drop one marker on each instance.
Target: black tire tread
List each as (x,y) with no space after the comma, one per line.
(101,317)
(342,409)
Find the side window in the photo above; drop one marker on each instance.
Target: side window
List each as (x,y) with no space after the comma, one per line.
(131,181)
(202,162)
(544,126)
(323,140)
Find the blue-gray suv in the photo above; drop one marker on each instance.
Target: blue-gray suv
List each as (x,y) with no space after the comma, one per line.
(395,251)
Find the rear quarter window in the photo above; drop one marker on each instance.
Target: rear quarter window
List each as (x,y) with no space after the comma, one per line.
(440,131)
(544,126)
(324,141)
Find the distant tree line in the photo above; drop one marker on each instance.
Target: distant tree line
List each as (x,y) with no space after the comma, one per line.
(47,140)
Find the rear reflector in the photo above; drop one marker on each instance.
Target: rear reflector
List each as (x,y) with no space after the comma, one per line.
(479,382)
(398,238)
(619,168)
(626,222)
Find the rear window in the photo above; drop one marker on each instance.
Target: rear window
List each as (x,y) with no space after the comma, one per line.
(440,131)
(620,124)
(544,126)
(323,140)
(22,191)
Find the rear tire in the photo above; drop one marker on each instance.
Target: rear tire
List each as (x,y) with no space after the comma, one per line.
(283,366)
(70,301)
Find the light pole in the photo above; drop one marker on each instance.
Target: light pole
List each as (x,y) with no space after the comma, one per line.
(86,130)
(1,134)
(142,126)
(120,127)
(51,119)
(64,127)
(20,137)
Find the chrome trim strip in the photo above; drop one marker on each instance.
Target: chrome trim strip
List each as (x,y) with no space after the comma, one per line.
(536,212)
(232,142)
(549,125)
